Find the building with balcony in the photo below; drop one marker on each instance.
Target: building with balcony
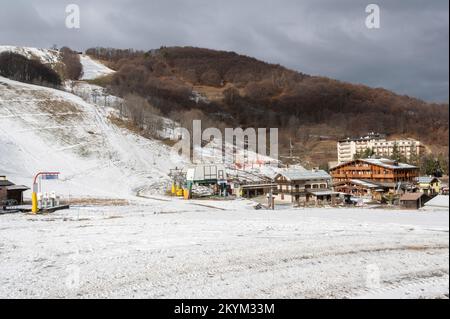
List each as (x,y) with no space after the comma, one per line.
(377,170)
(301,185)
(373,177)
(349,147)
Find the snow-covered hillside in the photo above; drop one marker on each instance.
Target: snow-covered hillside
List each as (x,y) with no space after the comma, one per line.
(51,130)
(46,56)
(43,129)
(93,69)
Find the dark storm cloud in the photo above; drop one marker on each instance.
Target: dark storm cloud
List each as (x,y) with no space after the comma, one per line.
(408,54)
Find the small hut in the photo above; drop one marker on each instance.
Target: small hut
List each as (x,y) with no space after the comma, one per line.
(9,192)
(412,200)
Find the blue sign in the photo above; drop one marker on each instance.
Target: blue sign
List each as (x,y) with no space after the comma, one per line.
(49,176)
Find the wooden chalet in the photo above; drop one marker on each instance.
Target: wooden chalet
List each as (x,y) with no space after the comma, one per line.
(374,178)
(301,185)
(375,170)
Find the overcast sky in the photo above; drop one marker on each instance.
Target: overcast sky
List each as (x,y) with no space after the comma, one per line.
(408,54)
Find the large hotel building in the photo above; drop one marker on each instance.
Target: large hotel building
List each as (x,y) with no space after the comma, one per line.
(349,147)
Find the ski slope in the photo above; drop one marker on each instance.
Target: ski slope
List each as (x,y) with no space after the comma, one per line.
(43,129)
(93,69)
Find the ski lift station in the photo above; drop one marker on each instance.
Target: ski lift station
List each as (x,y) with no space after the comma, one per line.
(206,174)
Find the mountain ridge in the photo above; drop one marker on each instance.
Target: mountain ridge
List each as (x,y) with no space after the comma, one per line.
(225,89)
(228,89)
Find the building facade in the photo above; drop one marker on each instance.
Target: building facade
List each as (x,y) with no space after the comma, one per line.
(429,185)
(412,200)
(348,148)
(375,170)
(362,188)
(296,186)
(374,177)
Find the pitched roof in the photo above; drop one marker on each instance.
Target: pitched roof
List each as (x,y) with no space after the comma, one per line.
(365,183)
(5,182)
(425,179)
(383,162)
(17,188)
(387,163)
(321,192)
(411,196)
(298,175)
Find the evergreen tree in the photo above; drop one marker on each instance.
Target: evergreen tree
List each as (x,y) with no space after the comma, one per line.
(357,155)
(414,158)
(368,152)
(396,156)
(430,166)
(443,163)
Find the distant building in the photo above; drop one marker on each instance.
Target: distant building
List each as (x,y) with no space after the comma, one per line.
(11,192)
(363,188)
(349,147)
(300,185)
(429,185)
(374,177)
(377,170)
(207,174)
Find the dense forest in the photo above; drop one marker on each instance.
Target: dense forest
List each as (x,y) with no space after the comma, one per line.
(19,68)
(229,89)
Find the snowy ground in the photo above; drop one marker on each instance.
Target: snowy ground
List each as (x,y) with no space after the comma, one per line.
(93,69)
(204,249)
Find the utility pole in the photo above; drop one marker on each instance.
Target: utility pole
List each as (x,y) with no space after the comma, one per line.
(291,148)
(271,199)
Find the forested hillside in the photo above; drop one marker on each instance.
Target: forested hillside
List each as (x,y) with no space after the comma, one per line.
(227,89)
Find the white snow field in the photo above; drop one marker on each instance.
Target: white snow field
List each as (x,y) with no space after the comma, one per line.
(172,248)
(93,69)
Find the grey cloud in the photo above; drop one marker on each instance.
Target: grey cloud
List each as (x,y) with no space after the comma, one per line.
(408,54)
